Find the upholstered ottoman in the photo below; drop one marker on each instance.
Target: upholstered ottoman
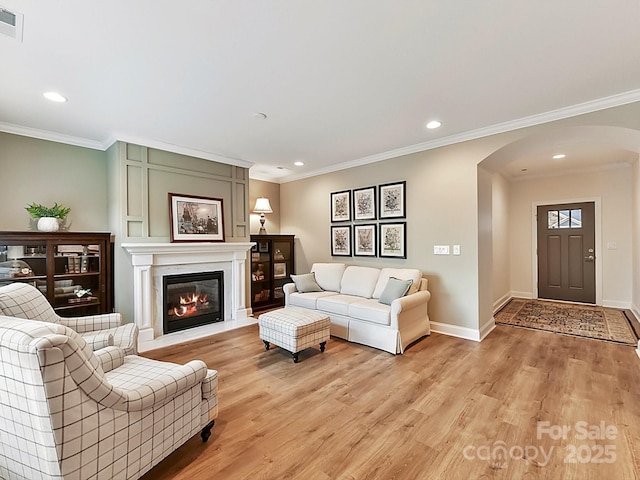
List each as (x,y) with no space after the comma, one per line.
(294,329)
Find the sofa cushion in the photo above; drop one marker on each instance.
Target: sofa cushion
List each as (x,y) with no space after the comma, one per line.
(329,275)
(395,288)
(359,281)
(337,303)
(306,283)
(371,310)
(307,300)
(402,274)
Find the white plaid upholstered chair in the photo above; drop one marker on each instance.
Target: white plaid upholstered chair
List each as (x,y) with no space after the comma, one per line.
(26,301)
(67,412)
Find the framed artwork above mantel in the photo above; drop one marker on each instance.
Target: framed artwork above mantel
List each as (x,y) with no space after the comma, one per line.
(195,218)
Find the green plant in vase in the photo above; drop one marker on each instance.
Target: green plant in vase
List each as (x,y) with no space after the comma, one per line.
(48,218)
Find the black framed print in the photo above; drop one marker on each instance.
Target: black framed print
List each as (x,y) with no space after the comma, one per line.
(341,241)
(392,200)
(364,244)
(341,206)
(364,203)
(393,240)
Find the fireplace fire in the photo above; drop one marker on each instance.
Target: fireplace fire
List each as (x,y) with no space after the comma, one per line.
(192,299)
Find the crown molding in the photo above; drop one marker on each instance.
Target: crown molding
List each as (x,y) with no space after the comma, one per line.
(179,149)
(103,146)
(532,120)
(50,136)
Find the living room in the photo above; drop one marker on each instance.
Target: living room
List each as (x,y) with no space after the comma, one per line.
(474,188)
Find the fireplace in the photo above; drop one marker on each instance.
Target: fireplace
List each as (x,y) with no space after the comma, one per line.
(192,299)
(151,262)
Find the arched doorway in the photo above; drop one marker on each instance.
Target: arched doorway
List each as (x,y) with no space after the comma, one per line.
(596,153)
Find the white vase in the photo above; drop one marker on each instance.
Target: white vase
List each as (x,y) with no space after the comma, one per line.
(48,224)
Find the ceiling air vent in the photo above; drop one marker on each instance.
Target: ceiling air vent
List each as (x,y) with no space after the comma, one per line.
(11,23)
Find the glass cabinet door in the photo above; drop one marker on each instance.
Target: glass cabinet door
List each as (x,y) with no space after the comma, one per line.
(69,269)
(272,263)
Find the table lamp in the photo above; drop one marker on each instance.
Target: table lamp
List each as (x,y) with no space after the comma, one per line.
(262,207)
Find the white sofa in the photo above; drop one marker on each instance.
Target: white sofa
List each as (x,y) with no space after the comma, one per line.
(350,297)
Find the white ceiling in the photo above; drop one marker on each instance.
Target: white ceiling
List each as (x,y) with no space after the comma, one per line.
(341,82)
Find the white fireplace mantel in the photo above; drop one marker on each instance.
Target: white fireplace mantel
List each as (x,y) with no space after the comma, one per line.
(151,261)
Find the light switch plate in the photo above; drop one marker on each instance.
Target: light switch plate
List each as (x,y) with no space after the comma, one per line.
(456,249)
(441,249)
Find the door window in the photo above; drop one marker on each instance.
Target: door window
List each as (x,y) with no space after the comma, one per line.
(564,218)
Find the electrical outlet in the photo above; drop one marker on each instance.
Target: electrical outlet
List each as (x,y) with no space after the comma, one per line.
(441,249)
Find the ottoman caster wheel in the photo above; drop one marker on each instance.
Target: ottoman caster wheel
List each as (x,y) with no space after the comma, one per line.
(323,345)
(295,357)
(266,345)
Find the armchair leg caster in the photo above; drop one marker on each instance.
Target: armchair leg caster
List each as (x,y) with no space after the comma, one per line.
(206,431)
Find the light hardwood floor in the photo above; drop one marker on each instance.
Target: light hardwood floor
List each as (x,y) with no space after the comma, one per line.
(446,409)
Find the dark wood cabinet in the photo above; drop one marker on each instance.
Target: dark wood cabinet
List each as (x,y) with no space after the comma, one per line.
(272,263)
(73,270)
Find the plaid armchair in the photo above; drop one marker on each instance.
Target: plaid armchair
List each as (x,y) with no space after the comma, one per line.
(25,301)
(69,413)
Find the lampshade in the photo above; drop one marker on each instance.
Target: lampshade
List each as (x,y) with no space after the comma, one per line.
(262,206)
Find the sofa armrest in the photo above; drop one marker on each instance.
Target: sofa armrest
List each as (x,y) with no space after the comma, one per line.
(110,358)
(210,384)
(176,381)
(91,323)
(418,300)
(98,340)
(288,289)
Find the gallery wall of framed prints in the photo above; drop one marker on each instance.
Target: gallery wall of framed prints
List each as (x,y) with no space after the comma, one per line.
(367,221)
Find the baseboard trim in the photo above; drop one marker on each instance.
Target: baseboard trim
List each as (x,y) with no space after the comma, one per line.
(501,302)
(515,294)
(487,328)
(615,304)
(456,331)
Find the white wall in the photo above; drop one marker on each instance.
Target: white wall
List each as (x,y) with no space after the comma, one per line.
(501,240)
(635,299)
(485,251)
(614,189)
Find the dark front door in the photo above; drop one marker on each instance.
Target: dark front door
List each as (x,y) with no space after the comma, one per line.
(566,252)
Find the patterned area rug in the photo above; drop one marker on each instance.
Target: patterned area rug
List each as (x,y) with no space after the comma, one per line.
(599,323)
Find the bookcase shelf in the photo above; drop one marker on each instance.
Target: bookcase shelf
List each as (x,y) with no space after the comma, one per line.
(272,263)
(73,270)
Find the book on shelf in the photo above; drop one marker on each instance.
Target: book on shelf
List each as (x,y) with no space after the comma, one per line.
(83,300)
(73,264)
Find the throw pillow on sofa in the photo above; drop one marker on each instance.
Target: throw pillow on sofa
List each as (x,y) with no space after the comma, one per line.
(395,288)
(306,283)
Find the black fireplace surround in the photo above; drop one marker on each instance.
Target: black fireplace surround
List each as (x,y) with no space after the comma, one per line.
(192,299)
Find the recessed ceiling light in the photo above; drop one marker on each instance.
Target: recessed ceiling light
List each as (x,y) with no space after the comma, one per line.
(559,156)
(433,124)
(298,164)
(54,97)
